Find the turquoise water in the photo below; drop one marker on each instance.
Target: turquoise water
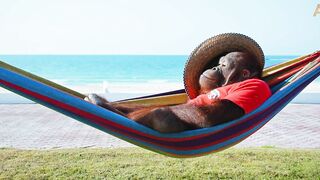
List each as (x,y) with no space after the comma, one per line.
(84,69)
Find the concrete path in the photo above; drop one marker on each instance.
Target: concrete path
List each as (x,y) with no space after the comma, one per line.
(32,126)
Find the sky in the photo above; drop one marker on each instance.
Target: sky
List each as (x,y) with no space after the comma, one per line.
(168,27)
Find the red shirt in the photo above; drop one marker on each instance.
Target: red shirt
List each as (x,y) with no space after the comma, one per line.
(248,94)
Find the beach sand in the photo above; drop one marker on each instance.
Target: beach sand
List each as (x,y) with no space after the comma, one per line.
(32,126)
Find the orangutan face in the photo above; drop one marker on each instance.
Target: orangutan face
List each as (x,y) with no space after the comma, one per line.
(231,69)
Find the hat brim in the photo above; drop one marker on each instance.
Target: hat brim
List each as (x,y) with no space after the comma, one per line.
(207,55)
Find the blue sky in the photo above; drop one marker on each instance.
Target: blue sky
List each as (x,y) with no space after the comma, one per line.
(284,27)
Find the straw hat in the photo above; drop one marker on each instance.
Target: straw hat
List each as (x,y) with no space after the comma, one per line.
(207,55)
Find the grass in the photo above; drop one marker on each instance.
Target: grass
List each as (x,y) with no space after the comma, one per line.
(136,163)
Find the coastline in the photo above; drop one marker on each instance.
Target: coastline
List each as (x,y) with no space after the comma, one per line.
(124,90)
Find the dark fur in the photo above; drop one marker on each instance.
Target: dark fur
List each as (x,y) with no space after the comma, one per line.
(234,67)
(185,117)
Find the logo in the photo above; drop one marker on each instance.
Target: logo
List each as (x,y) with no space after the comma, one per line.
(214,94)
(317,10)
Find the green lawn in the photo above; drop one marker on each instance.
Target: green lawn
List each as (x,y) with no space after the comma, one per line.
(136,163)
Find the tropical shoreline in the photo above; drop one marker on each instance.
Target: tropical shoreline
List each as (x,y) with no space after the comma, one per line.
(124,90)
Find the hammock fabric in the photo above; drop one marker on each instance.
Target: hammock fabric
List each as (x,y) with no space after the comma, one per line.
(184,144)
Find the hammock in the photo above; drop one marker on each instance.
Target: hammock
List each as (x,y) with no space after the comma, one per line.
(286,81)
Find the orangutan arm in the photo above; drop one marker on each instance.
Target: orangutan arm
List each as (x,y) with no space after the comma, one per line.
(123,109)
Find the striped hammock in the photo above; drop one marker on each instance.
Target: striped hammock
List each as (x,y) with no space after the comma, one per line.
(286,81)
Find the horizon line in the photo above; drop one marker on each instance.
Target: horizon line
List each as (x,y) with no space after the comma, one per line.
(129,54)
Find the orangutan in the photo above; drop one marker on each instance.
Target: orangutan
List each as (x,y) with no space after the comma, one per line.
(227,92)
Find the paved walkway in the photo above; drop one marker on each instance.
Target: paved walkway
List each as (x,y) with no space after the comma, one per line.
(32,126)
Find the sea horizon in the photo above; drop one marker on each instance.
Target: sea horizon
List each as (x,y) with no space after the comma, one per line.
(125,75)
(93,69)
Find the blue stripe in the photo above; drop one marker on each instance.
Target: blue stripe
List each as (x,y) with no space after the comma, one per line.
(88,107)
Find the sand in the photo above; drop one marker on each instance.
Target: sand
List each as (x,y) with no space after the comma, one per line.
(32,126)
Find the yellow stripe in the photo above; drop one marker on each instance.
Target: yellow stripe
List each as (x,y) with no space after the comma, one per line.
(40,79)
(305,69)
(271,70)
(158,101)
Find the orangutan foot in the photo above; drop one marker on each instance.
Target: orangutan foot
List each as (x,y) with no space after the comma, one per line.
(95,99)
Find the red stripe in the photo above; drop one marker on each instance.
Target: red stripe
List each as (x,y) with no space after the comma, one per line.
(92,116)
(281,77)
(298,63)
(285,72)
(101,121)
(107,123)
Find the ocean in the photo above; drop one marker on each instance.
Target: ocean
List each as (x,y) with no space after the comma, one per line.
(96,69)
